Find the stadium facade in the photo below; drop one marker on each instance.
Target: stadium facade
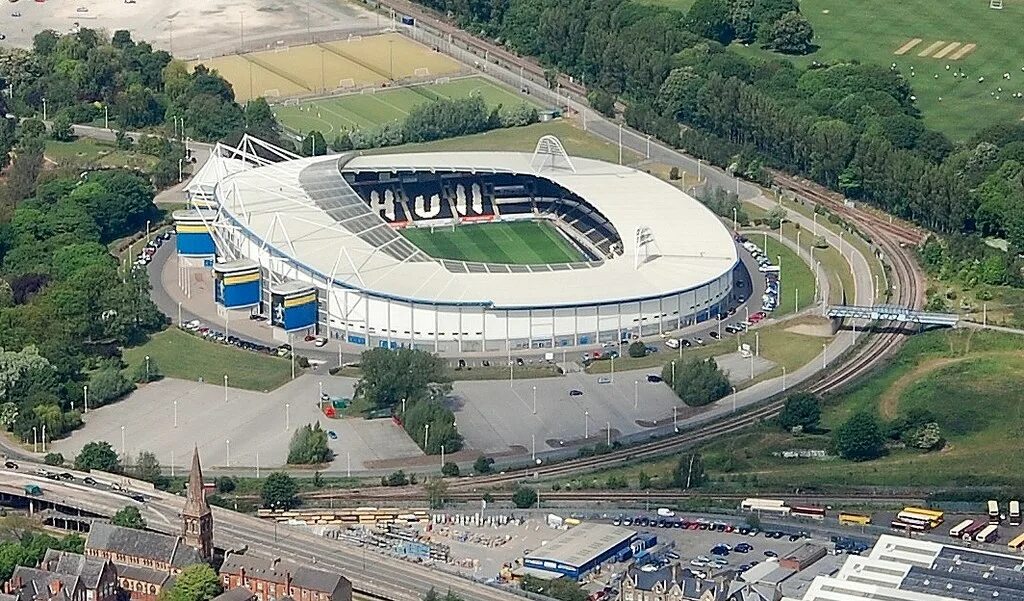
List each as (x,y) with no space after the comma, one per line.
(652,259)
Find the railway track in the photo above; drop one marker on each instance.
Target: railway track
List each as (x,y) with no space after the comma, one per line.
(891,239)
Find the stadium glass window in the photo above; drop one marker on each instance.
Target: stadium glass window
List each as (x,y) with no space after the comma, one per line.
(406,332)
(417,333)
(479,333)
(675,313)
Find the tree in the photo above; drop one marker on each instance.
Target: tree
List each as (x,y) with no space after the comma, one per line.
(314,144)
(146,467)
(129,516)
(483,464)
(801,409)
(225,484)
(389,376)
(637,349)
(450,468)
(602,102)
(309,446)
(859,438)
(437,492)
(710,19)
(561,588)
(279,492)
(98,456)
(524,497)
(697,382)
(54,459)
(196,582)
(775,216)
(689,471)
(60,127)
(147,371)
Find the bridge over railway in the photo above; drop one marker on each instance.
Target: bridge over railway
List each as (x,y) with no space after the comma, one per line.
(892,313)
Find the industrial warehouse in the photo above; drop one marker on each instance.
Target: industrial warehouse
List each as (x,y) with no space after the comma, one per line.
(642,257)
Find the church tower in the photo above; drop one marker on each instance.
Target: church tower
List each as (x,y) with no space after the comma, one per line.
(196,518)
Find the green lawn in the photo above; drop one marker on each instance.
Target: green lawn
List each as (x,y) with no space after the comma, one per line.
(872,30)
(181,355)
(577,142)
(796,281)
(87,152)
(356,111)
(514,243)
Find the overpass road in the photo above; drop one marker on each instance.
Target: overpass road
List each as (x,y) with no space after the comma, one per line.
(371,573)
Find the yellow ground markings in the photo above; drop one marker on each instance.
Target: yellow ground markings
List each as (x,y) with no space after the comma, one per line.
(949,48)
(963,51)
(905,48)
(932,48)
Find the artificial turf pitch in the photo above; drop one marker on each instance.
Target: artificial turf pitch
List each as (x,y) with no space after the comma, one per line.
(515,243)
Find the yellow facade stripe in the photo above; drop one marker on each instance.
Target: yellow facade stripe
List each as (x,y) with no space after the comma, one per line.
(302,300)
(241,279)
(191,229)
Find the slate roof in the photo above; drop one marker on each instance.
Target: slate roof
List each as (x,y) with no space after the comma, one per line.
(239,593)
(142,574)
(691,586)
(277,571)
(140,543)
(36,583)
(88,569)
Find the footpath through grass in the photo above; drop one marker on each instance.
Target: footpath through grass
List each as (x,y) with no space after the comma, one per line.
(515,243)
(181,355)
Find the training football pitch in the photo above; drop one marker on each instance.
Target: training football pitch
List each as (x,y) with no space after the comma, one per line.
(956,55)
(330,116)
(514,243)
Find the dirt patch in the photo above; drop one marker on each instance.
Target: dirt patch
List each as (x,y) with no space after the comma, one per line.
(905,48)
(946,50)
(808,329)
(888,402)
(932,48)
(963,51)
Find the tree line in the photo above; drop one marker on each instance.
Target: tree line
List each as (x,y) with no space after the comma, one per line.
(852,127)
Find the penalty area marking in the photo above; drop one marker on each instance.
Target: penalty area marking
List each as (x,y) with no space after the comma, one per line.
(905,48)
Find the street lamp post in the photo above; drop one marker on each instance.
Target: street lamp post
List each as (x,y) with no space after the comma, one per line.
(613,369)
(85,393)
(535,400)
(147,231)
(586,424)
(106,117)
(227,445)
(44,109)
(824,355)
(124,447)
(757,343)
(44,438)
(225,388)
(620,138)
(287,416)
(179,313)
(734,398)
(673,373)
(147,368)
(175,413)
(734,219)
(675,419)
(533,445)
(35,440)
(608,431)
(636,394)
(426,436)
(783,378)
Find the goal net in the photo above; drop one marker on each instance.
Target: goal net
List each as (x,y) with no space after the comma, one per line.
(291,102)
(996,4)
(441,80)
(271,93)
(282,49)
(347,83)
(368,91)
(421,72)
(355,38)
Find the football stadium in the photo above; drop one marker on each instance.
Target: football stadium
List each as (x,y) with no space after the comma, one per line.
(462,251)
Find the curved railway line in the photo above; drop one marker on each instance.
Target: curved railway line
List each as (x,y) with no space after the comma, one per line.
(891,240)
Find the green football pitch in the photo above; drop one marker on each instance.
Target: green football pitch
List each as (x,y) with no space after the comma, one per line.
(330,116)
(515,243)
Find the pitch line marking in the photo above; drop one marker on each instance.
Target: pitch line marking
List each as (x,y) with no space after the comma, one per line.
(905,48)
(935,46)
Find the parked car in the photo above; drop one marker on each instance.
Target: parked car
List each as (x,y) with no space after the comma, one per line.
(10,465)
(575,392)
(604,380)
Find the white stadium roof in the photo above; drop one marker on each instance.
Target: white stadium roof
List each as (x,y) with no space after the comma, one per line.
(691,246)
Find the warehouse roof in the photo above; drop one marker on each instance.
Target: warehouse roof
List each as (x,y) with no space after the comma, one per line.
(581,544)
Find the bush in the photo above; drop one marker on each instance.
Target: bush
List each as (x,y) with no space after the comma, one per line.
(309,446)
(860,438)
(637,349)
(53,459)
(801,409)
(225,484)
(698,382)
(279,492)
(524,497)
(673,173)
(395,479)
(483,464)
(450,468)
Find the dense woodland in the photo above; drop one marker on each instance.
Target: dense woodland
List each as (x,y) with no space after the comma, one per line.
(852,127)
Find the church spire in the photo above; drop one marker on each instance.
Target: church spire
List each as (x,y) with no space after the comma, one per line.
(197,518)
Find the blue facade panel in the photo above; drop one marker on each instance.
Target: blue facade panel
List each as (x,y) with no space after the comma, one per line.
(300,316)
(238,296)
(195,245)
(355,339)
(577,571)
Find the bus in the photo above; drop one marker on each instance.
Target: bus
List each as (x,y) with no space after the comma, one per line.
(806,511)
(973,529)
(908,526)
(854,519)
(958,530)
(933,517)
(993,512)
(1015,513)
(987,534)
(774,506)
(1016,544)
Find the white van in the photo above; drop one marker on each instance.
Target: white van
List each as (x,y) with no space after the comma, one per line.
(672,343)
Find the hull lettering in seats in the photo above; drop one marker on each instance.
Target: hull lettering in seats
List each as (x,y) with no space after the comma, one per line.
(384,206)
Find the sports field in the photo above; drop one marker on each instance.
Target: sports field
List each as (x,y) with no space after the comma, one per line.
(356,111)
(325,67)
(515,243)
(939,40)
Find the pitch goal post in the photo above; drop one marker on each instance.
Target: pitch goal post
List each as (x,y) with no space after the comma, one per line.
(996,4)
